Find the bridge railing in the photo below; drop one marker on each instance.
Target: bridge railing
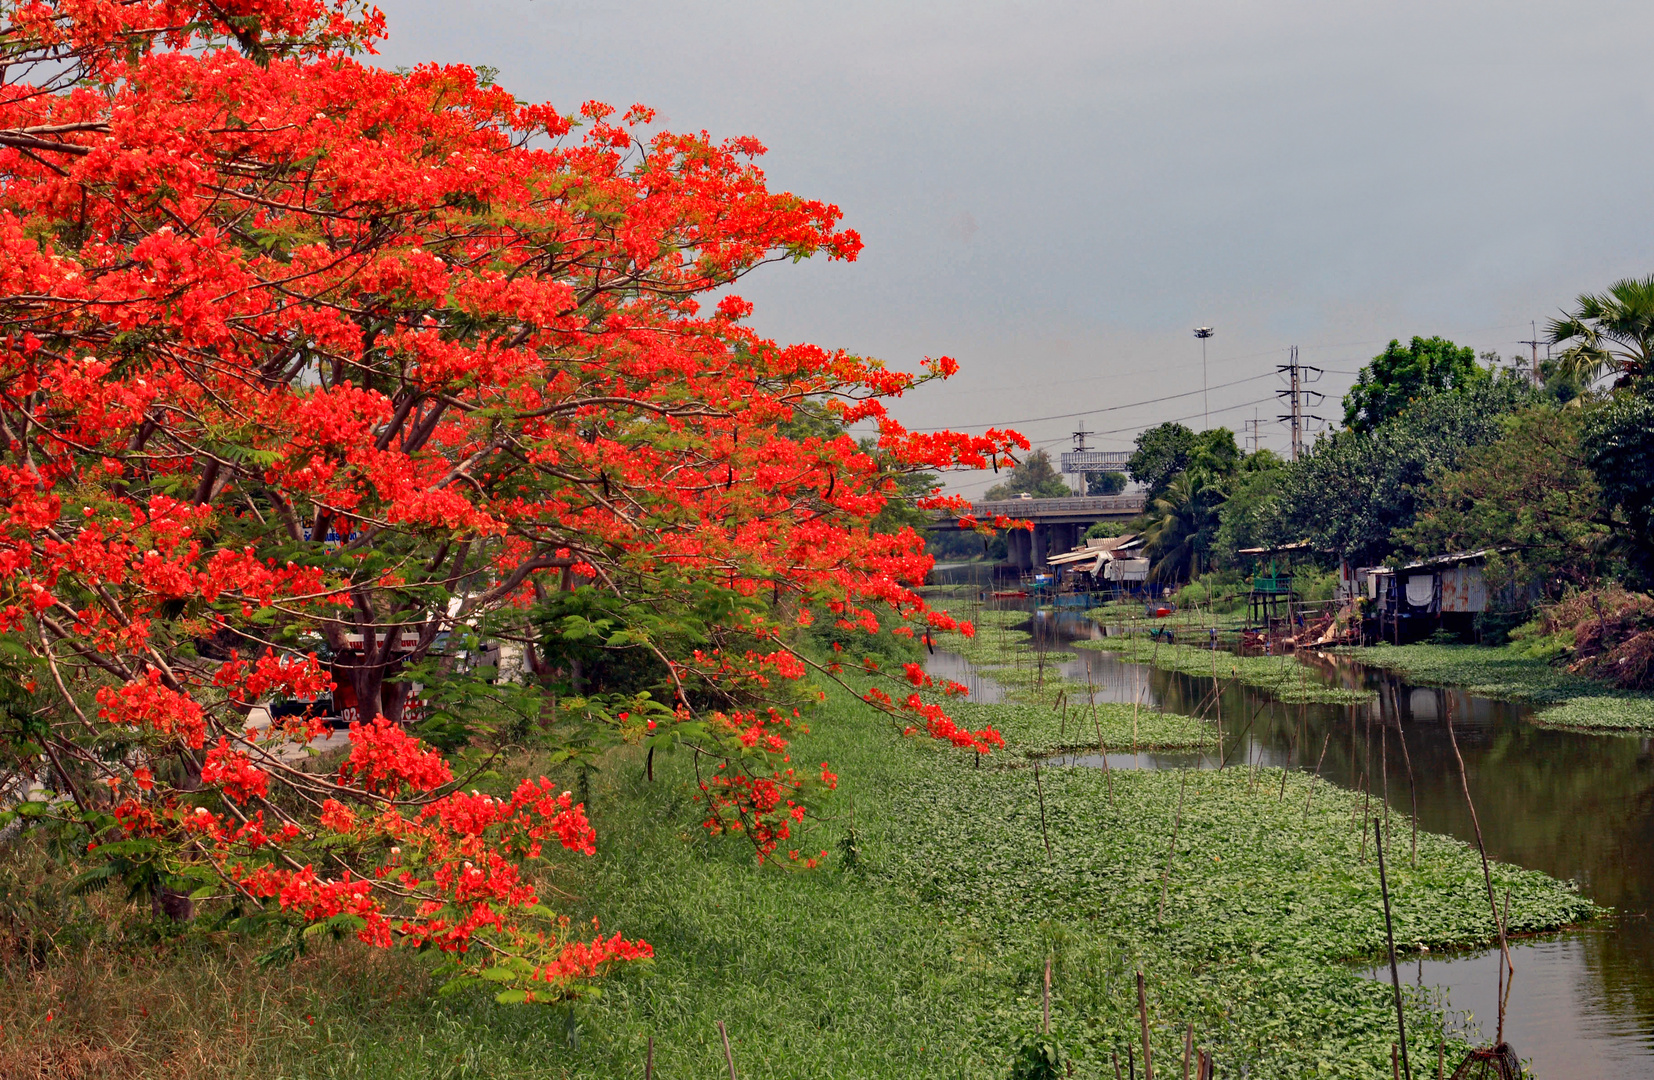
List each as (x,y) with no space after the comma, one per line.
(1079,504)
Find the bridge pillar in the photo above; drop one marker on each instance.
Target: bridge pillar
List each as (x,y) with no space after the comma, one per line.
(1023,558)
(1042,537)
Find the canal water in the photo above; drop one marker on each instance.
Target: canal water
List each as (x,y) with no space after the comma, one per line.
(1578,807)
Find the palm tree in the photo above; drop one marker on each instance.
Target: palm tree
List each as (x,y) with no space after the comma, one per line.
(1611,332)
(1182,521)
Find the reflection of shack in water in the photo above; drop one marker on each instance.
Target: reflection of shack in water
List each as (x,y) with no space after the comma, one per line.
(1447,592)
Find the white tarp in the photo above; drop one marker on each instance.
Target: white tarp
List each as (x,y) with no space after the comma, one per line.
(1421,589)
(1127,570)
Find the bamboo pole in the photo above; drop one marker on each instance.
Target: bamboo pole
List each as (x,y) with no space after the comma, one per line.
(1407,759)
(649,1060)
(728,1055)
(1317,776)
(1390,939)
(1045,1001)
(1040,790)
(1487,875)
(1143,1015)
(1384,769)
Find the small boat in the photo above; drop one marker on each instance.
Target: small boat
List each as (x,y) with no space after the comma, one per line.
(1010,594)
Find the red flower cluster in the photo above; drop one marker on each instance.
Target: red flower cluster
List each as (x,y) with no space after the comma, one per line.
(386,760)
(234,773)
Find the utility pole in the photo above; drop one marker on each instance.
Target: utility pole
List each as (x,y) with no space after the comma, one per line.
(1081,447)
(1297,410)
(1254,431)
(1295,393)
(1204,332)
(1533,326)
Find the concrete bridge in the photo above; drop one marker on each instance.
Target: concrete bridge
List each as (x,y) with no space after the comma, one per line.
(1058,523)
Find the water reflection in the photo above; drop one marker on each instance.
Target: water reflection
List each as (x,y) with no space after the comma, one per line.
(1576,806)
(1560,1015)
(950,665)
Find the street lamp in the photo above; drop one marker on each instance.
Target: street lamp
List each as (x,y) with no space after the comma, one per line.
(1204,332)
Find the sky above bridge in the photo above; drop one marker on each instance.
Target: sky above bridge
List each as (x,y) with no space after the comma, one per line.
(1055,194)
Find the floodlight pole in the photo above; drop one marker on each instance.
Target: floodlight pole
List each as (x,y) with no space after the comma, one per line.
(1204,332)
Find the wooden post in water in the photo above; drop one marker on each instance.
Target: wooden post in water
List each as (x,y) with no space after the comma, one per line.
(1390,939)
(1407,759)
(1384,770)
(1040,790)
(1143,1015)
(1487,875)
(1317,776)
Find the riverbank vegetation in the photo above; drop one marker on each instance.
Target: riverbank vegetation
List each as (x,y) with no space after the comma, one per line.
(918,950)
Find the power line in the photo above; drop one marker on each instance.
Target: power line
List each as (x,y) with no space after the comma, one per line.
(1103,409)
(1191,416)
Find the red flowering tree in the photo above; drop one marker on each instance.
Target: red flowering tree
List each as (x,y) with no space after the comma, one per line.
(300,358)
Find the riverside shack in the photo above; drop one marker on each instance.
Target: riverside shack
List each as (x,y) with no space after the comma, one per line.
(1444,592)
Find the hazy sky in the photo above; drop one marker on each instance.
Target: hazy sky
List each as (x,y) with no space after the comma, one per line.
(1055,194)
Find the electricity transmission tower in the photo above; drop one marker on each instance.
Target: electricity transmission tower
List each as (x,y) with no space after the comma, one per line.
(1297,375)
(1533,327)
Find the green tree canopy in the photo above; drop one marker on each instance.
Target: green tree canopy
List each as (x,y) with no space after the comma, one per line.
(1105,483)
(1611,331)
(1034,476)
(1354,490)
(1162,452)
(1250,517)
(1399,376)
(1183,523)
(1529,493)
(1618,446)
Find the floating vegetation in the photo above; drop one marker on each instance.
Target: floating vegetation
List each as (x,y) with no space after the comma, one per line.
(1038,730)
(1047,713)
(1265,905)
(1282,676)
(1508,674)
